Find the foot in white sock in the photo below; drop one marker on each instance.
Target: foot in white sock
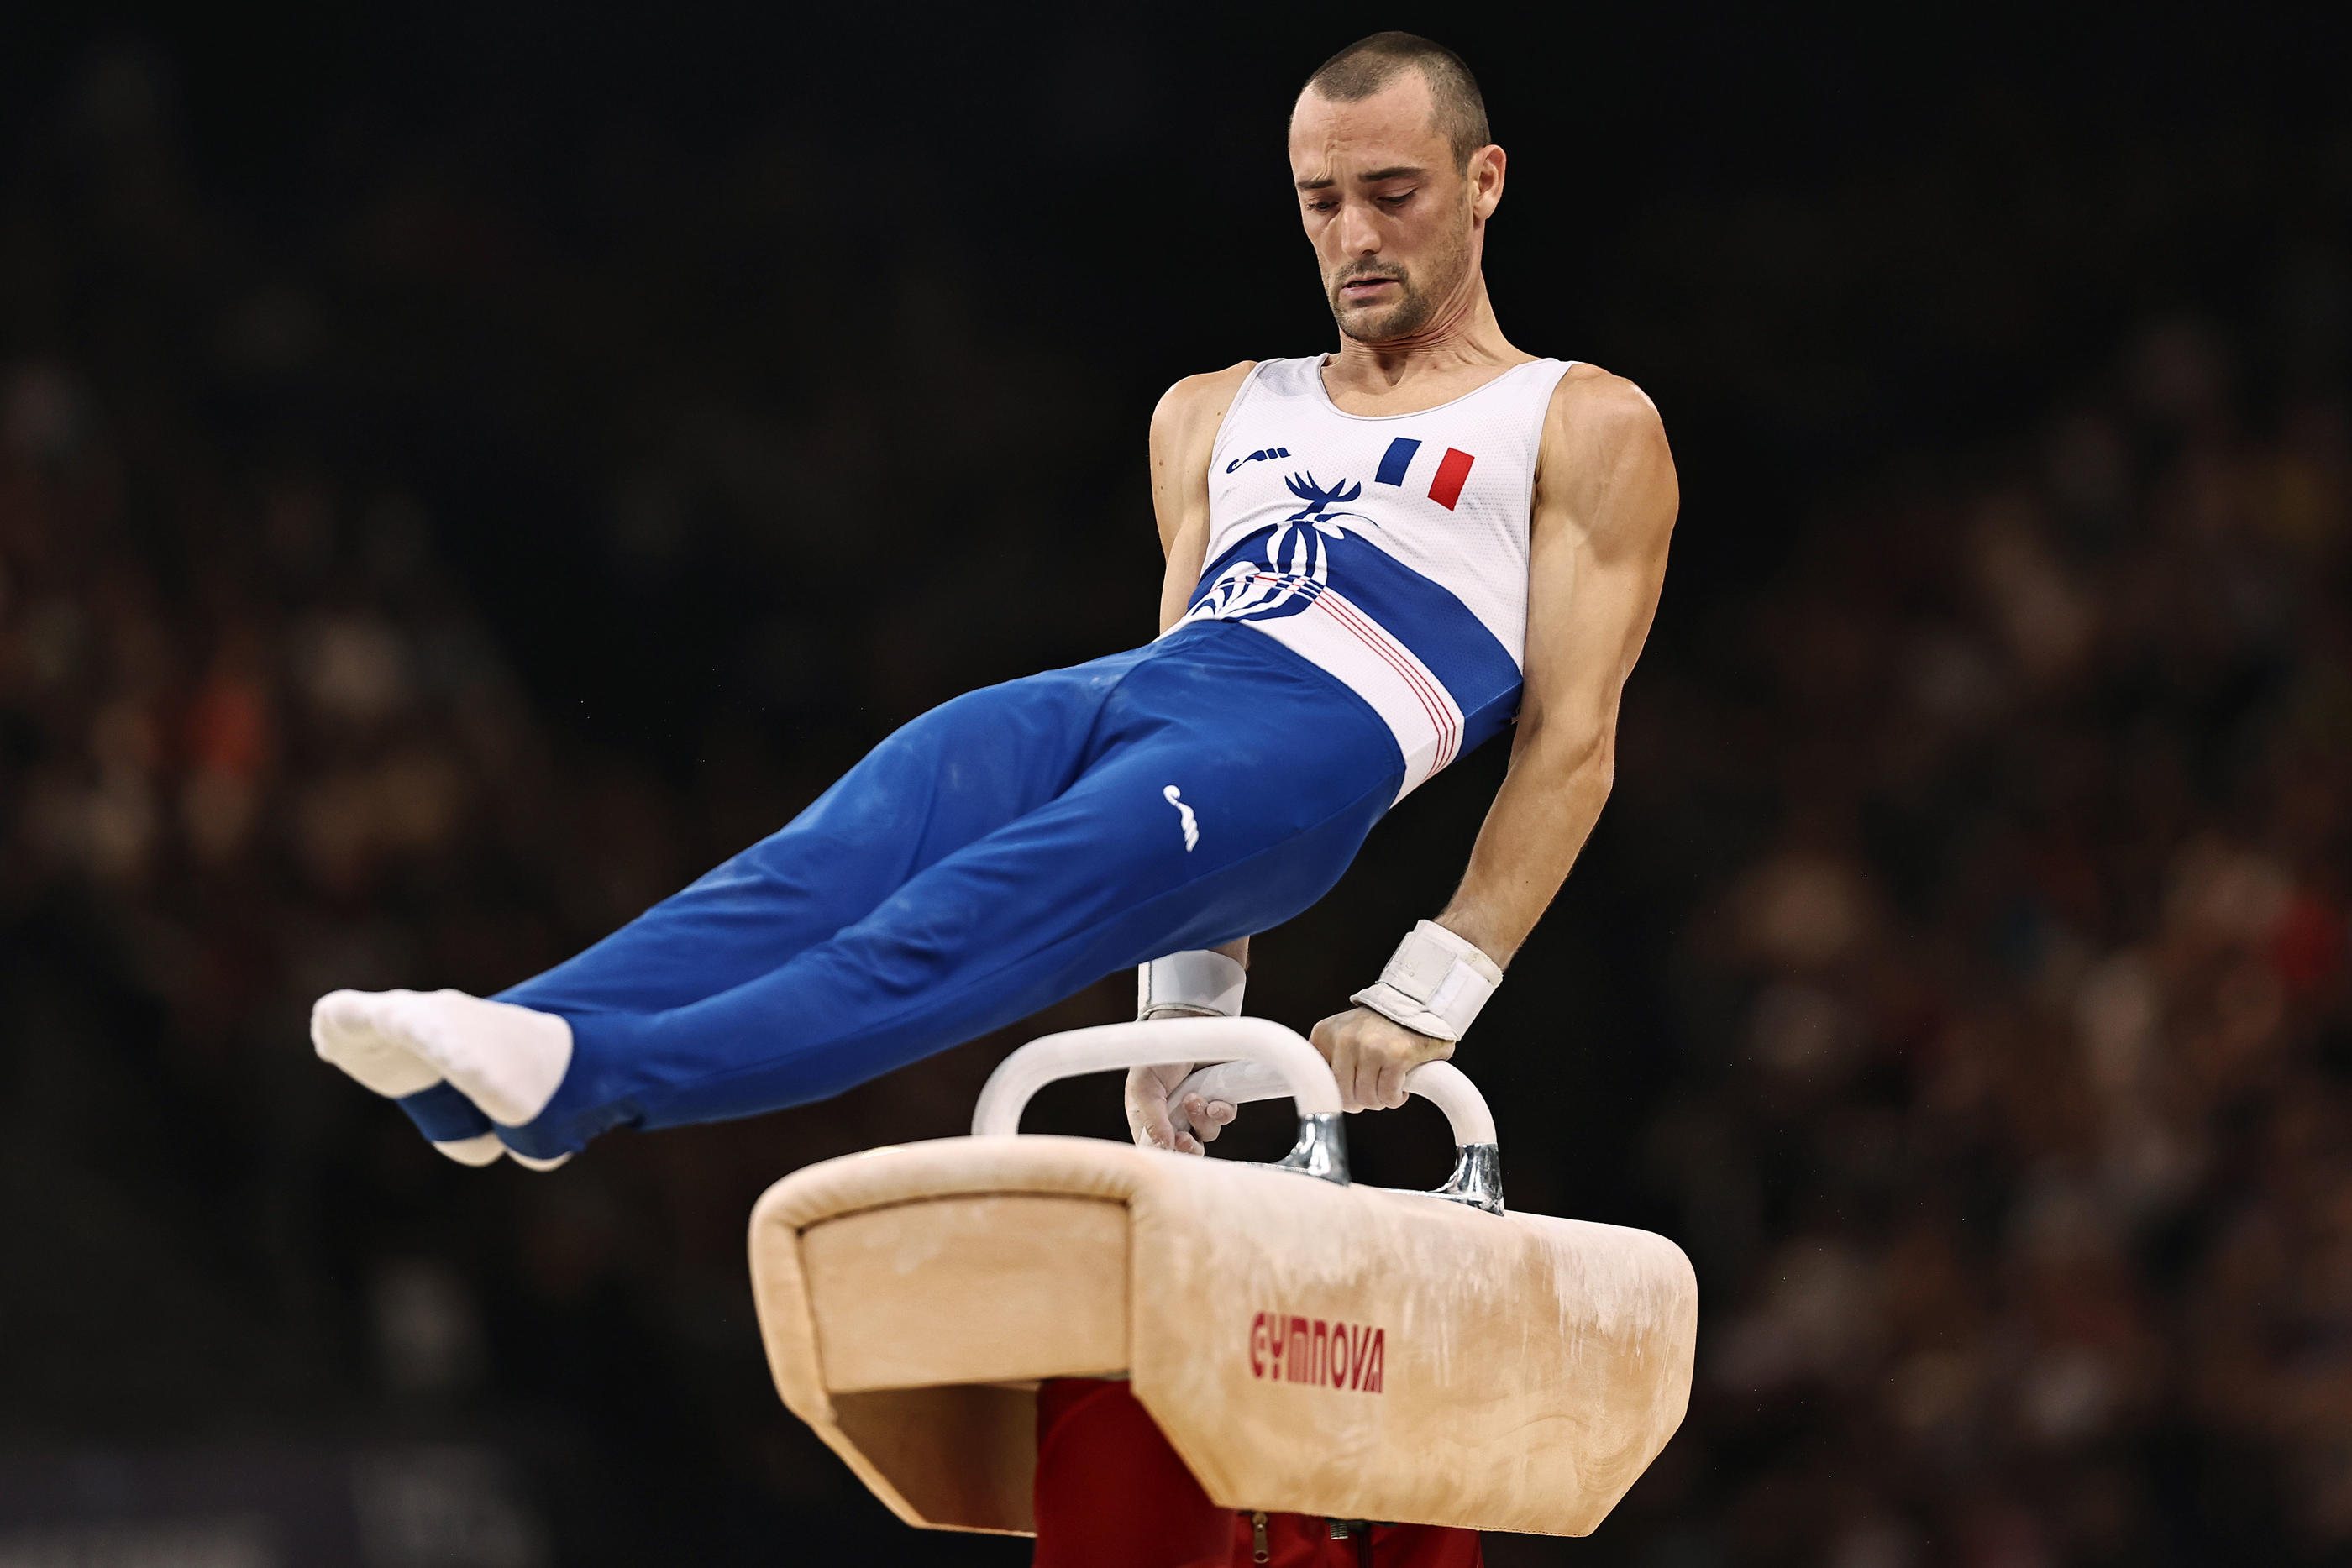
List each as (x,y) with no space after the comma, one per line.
(343,1031)
(506,1058)
(482,1151)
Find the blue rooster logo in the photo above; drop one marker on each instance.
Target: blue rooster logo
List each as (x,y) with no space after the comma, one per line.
(1320,501)
(1297,547)
(1298,560)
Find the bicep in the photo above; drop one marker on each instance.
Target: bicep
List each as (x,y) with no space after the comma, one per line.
(1597,562)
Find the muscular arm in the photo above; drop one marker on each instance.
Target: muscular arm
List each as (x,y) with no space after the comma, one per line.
(1604,509)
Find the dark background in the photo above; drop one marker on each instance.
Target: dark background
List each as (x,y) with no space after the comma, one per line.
(465,471)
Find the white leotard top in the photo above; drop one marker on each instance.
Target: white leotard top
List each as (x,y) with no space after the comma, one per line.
(1391,549)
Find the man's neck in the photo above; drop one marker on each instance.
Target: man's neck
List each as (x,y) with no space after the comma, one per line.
(1460,350)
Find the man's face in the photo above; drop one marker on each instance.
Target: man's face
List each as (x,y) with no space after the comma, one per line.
(1396,223)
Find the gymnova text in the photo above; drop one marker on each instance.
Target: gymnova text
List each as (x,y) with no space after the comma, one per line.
(1309,1350)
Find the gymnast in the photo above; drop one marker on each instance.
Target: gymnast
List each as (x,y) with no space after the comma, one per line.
(1377,559)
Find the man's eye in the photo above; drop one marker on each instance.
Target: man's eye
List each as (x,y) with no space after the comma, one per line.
(1397,200)
(1320,206)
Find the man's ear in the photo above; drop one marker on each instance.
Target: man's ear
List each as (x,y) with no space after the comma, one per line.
(1485,175)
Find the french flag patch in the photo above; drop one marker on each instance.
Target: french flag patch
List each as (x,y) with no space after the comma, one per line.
(1444,486)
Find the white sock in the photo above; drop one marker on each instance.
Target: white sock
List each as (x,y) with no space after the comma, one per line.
(484,1150)
(343,1031)
(508,1060)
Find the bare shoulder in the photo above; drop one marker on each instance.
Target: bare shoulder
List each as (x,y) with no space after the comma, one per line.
(1183,430)
(1190,410)
(1598,411)
(1605,463)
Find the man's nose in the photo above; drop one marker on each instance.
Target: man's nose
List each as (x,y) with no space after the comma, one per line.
(1359,235)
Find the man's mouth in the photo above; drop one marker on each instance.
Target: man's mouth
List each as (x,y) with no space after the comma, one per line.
(1364,287)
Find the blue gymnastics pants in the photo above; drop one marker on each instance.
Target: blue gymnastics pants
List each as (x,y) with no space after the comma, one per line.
(998,854)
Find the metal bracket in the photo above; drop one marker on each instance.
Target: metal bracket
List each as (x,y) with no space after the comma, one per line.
(1477,1178)
(1322,1148)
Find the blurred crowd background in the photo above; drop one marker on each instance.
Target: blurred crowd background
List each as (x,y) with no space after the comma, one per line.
(461,475)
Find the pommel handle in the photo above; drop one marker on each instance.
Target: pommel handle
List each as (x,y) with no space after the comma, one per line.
(1440,1083)
(1290,1065)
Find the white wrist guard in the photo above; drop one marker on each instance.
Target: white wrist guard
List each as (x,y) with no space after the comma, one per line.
(1434,984)
(1196,984)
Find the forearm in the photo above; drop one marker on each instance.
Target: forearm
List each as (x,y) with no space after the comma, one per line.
(1532,835)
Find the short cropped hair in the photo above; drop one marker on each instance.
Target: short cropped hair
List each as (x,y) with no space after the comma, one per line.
(1368,65)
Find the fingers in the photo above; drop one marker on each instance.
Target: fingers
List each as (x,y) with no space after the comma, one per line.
(1332,1038)
(1348,1068)
(1370,1057)
(1147,1113)
(1148,1119)
(1207,1117)
(1354,1048)
(1358,1075)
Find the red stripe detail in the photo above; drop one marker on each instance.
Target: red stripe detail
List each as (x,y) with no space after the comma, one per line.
(1452,472)
(1433,701)
(1431,706)
(1433,696)
(1374,635)
(1432,711)
(1436,706)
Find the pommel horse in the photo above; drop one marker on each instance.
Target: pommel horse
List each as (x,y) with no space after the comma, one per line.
(1306,1344)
